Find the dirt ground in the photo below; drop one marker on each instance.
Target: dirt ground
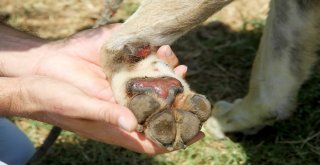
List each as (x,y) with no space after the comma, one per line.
(60,18)
(239,11)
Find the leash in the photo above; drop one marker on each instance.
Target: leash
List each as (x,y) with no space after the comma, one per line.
(48,142)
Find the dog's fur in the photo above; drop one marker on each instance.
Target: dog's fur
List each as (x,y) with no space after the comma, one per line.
(286,55)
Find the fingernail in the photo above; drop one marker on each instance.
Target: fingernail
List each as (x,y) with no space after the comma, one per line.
(125,124)
(168,51)
(185,68)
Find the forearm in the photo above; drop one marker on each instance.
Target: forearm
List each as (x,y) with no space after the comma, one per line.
(17,52)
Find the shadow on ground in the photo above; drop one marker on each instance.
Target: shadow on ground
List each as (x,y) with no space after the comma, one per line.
(91,152)
(222,72)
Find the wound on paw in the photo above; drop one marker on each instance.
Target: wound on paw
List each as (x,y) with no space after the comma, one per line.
(143,52)
(164,87)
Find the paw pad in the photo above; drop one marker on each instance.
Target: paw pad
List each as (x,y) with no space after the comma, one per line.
(167,114)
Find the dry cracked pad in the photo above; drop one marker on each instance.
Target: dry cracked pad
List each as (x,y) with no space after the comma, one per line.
(165,113)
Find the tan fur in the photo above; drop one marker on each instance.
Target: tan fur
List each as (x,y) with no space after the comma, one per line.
(283,62)
(278,72)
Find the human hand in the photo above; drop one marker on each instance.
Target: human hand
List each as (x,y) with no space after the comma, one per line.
(53,101)
(77,60)
(75,94)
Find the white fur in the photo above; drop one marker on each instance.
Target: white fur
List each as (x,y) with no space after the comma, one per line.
(144,68)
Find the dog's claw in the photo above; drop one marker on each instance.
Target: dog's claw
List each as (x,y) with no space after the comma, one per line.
(140,128)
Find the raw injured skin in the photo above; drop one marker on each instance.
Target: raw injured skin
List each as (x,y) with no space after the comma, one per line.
(167,111)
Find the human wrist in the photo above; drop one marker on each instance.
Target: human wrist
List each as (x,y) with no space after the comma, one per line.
(9,88)
(19,96)
(19,52)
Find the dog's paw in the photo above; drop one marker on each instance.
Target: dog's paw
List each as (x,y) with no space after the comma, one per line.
(240,116)
(167,111)
(225,117)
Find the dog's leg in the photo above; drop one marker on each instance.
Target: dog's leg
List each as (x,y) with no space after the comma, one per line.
(286,54)
(166,109)
(160,22)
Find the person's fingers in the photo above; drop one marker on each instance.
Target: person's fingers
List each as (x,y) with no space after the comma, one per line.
(181,70)
(165,53)
(82,74)
(112,134)
(57,97)
(108,133)
(94,109)
(91,85)
(199,136)
(87,44)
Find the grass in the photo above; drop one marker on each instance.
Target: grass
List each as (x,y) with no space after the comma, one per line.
(219,61)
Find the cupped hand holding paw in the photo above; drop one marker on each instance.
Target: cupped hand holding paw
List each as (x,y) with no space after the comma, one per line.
(62,83)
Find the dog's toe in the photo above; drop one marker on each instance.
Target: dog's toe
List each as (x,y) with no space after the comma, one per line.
(143,106)
(162,128)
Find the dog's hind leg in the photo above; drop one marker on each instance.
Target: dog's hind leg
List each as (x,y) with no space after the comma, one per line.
(286,55)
